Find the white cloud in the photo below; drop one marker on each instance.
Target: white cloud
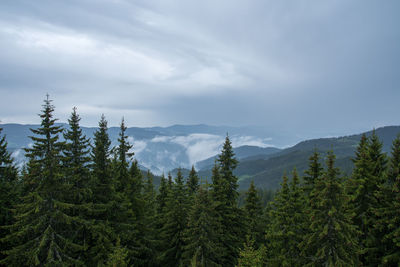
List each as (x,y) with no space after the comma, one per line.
(201,146)
(138,145)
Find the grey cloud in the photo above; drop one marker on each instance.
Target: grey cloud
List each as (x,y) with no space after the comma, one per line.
(308,68)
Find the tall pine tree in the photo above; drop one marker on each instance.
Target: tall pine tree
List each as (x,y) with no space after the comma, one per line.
(225,195)
(41,233)
(332,240)
(77,175)
(175,224)
(387,212)
(201,244)
(254,216)
(104,203)
(9,192)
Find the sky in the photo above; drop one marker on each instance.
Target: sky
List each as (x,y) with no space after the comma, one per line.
(315,68)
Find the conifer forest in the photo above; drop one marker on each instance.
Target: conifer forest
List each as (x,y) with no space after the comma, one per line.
(81,202)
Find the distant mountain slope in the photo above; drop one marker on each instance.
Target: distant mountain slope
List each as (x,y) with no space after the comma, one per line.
(163,149)
(267,170)
(159,149)
(241,152)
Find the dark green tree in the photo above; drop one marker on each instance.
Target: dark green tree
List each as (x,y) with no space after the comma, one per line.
(254,216)
(313,173)
(225,195)
(332,240)
(192,182)
(41,232)
(105,206)
(387,212)
(374,248)
(9,190)
(175,224)
(249,256)
(286,228)
(119,256)
(77,175)
(201,247)
(124,155)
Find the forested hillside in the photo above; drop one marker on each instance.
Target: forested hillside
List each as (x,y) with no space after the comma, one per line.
(75,204)
(266,167)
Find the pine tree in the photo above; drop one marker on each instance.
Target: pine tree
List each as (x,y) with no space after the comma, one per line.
(104,202)
(123,154)
(373,240)
(387,212)
(149,223)
(119,255)
(362,187)
(9,191)
(193,182)
(332,240)
(161,198)
(313,173)
(254,216)
(76,173)
(224,195)
(41,233)
(160,217)
(251,257)
(200,236)
(286,228)
(176,221)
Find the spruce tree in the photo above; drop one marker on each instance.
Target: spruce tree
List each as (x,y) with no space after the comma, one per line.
(286,229)
(313,173)
(362,187)
(160,217)
(374,249)
(119,256)
(200,236)
(104,198)
(148,223)
(387,212)
(225,195)
(9,192)
(176,221)
(77,174)
(249,256)
(193,182)
(332,240)
(254,216)
(123,153)
(41,233)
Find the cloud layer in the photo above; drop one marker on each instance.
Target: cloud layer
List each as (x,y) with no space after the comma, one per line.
(308,68)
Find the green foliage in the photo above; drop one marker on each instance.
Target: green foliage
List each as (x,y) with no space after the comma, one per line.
(75,162)
(387,213)
(313,173)
(119,255)
(193,182)
(41,233)
(332,240)
(363,186)
(286,228)
(104,203)
(254,216)
(200,236)
(224,194)
(122,166)
(9,191)
(175,223)
(251,257)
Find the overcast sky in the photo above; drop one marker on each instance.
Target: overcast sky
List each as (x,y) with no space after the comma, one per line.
(315,67)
